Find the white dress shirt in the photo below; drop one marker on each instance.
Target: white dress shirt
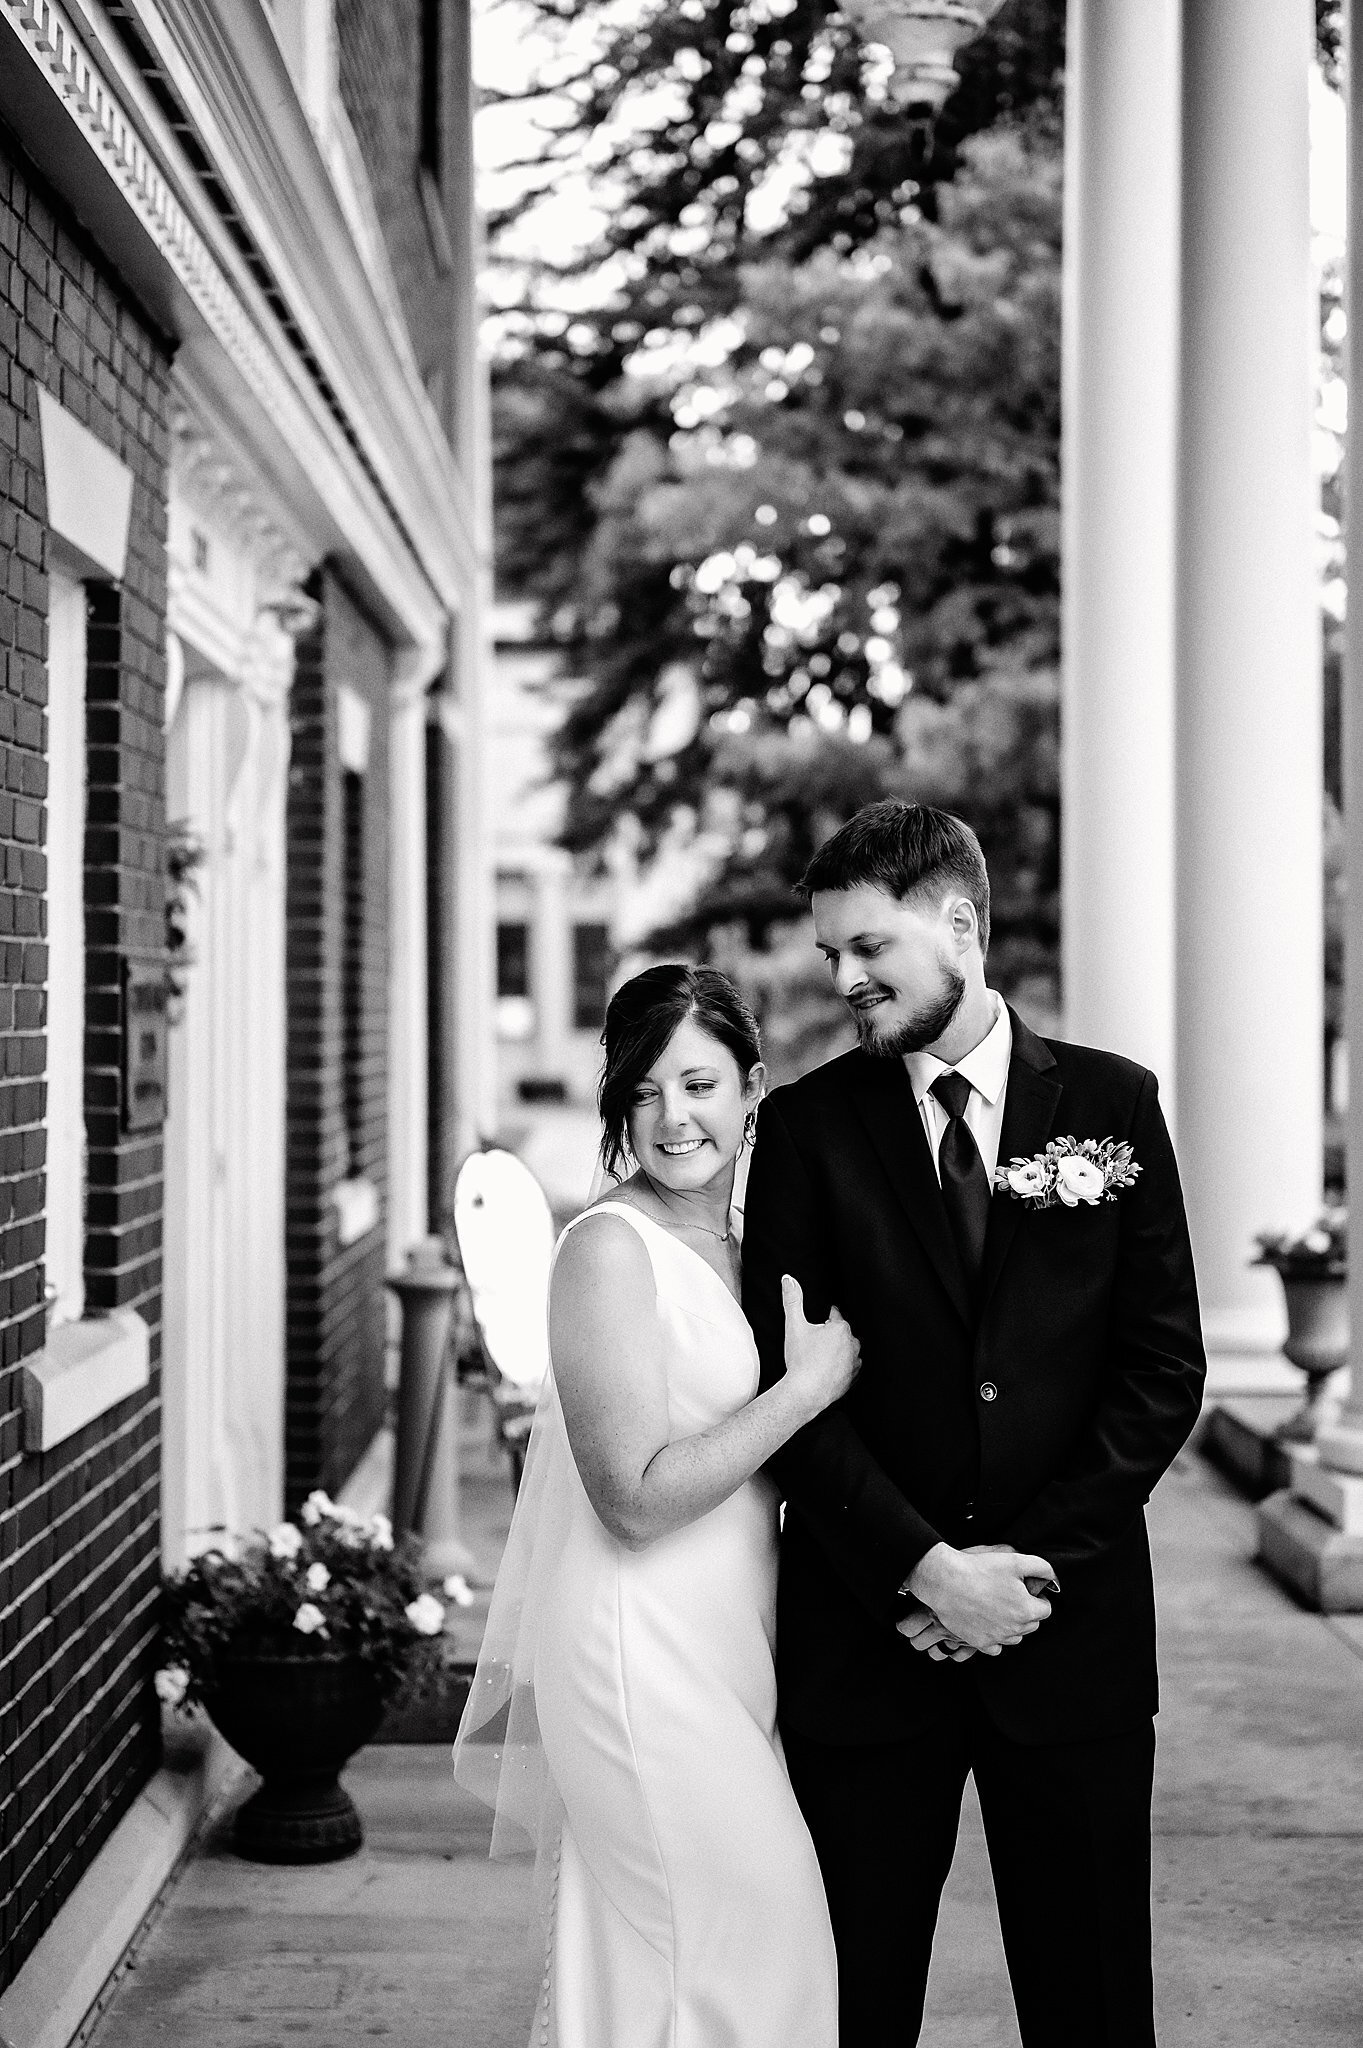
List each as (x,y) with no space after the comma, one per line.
(986,1069)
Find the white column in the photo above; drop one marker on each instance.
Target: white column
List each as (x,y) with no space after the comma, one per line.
(1342,1446)
(1118,456)
(1248,787)
(473,1005)
(227,772)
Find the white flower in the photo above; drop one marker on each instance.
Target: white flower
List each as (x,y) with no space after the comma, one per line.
(318,1578)
(315,1506)
(1028,1177)
(380,1532)
(426,1615)
(1079,1180)
(458,1589)
(285,1542)
(172,1683)
(310,1620)
(1317,1242)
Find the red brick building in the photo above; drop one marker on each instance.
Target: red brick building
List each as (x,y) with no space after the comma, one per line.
(242,564)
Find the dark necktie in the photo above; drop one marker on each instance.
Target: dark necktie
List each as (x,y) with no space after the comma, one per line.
(965,1184)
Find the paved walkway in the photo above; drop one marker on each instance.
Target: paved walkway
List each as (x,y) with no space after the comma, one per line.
(1258,1864)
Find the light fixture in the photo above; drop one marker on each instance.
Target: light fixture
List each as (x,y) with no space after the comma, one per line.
(292,611)
(923,37)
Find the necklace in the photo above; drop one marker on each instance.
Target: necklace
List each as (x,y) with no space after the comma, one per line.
(721,1236)
(682,1223)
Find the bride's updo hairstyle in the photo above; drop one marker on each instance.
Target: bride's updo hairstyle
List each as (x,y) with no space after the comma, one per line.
(641,1019)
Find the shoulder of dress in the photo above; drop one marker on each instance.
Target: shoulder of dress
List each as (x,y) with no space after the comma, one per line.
(607,1237)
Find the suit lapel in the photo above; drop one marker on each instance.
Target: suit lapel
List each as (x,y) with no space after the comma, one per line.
(884,1099)
(1029,1109)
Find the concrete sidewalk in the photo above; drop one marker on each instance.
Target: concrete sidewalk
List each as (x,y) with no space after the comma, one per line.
(420,1940)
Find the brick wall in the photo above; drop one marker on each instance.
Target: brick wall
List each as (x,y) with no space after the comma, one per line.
(79,1536)
(335,1295)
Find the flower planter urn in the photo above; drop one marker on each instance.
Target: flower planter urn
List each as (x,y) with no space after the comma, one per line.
(297,1720)
(1317,1341)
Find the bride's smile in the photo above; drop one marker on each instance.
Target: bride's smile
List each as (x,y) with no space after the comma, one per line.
(687,1116)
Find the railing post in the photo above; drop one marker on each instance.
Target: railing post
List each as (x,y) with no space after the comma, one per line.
(426,1459)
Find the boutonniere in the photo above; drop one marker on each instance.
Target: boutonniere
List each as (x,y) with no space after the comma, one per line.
(1070,1170)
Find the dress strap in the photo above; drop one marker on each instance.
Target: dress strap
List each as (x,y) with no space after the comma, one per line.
(642,1226)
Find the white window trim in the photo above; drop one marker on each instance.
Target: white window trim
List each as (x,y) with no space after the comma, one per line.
(81,1372)
(354,729)
(357,1209)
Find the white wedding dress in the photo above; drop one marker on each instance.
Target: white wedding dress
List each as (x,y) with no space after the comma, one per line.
(624,1717)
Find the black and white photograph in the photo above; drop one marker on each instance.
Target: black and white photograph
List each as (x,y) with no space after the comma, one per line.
(681,922)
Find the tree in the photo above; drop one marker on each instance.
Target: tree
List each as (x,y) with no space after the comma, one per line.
(825,566)
(786,492)
(718,134)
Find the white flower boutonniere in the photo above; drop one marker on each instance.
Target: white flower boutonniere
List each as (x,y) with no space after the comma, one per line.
(1069,1171)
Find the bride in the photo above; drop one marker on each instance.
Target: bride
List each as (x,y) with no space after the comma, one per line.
(623,1715)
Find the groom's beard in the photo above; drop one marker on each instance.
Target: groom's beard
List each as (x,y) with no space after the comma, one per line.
(925,1026)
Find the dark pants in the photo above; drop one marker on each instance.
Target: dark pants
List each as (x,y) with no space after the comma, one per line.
(1068,1827)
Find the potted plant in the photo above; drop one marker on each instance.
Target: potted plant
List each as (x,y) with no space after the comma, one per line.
(294,1643)
(1313,1267)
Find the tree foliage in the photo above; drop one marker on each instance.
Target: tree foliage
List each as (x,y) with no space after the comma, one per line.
(802,558)
(785,487)
(717,135)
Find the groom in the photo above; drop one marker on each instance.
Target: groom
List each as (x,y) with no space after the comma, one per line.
(965,1577)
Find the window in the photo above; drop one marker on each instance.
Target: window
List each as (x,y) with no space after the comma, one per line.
(513,959)
(430,162)
(352,967)
(515,1011)
(354,725)
(66,778)
(432,99)
(591,975)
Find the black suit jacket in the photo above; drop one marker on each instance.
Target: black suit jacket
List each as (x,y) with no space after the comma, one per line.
(1087,1331)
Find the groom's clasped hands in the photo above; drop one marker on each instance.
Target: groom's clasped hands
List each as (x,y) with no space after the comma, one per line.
(981,1600)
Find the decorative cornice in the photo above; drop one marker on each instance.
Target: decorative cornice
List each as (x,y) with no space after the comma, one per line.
(247,635)
(220,73)
(99,112)
(130,138)
(204,469)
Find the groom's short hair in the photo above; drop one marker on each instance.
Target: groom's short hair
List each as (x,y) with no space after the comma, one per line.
(906,850)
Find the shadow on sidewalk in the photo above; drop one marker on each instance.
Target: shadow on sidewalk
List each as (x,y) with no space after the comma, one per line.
(420,1941)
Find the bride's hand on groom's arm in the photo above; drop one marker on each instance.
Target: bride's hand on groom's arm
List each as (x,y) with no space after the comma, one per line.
(980,1597)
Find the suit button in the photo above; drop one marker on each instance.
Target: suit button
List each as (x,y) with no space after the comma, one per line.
(989,1392)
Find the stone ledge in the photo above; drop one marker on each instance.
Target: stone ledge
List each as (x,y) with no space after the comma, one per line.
(1336,1495)
(1237,1436)
(357,1209)
(1304,1552)
(62,1981)
(369,1489)
(83,1369)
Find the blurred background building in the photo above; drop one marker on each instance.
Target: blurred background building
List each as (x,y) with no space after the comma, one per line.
(569,927)
(247,961)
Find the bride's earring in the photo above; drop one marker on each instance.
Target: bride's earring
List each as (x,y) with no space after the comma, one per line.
(750,1127)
